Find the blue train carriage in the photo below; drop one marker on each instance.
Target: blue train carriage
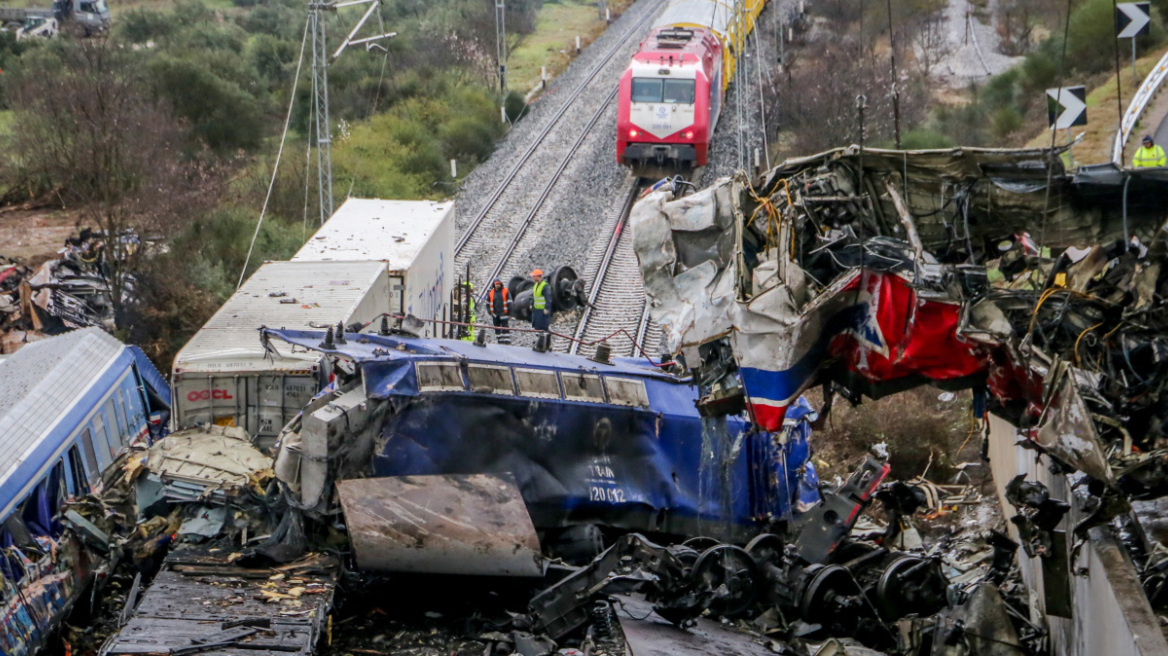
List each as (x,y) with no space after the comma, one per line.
(70,406)
(616,445)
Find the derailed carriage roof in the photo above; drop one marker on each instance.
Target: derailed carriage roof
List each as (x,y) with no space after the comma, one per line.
(49,382)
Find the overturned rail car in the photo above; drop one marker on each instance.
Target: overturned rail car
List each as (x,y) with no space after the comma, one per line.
(588,445)
(70,406)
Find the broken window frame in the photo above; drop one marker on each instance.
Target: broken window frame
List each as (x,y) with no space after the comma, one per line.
(439,365)
(586,378)
(75,471)
(523,372)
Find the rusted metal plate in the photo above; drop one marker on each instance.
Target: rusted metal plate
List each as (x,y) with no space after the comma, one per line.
(454,524)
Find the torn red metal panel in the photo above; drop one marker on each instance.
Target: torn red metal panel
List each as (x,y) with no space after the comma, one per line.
(880,331)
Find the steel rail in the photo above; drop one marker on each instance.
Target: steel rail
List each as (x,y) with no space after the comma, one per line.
(605,264)
(521,231)
(472,229)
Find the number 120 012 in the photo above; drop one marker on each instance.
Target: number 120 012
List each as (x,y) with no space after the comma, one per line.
(608,494)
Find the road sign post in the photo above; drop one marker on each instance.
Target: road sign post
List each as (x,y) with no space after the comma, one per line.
(1131,20)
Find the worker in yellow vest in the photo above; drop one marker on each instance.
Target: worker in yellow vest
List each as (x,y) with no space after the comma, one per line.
(1150,155)
(541,307)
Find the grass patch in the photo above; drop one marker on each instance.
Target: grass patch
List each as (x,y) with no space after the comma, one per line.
(1103,115)
(7,116)
(553,43)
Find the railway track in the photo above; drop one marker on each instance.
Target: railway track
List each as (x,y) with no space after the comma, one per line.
(494,235)
(617,310)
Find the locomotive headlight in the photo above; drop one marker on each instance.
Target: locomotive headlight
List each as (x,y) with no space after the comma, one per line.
(633,133)
(689,134)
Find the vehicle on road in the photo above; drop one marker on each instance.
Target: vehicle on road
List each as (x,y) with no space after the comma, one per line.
(80,17)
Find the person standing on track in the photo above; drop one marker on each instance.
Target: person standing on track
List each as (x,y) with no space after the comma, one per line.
(499,307)
(1150,155)
(541,306)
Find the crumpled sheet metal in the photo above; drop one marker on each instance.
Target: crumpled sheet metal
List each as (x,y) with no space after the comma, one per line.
(456,524)
(208,457)
(874,322)
(1067,433)
(686,251)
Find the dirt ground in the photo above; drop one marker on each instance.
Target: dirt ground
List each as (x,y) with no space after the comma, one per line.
(33,236)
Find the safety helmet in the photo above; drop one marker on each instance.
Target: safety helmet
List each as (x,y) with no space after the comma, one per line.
(1147,138)
(537,272)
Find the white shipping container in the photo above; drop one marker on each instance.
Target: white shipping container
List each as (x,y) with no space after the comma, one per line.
(223,375)
(415,240)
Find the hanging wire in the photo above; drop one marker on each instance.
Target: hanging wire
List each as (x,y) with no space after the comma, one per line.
(1054,130)
(1118,86)
(279,153)
(307,184)
(384,61)
(758,67)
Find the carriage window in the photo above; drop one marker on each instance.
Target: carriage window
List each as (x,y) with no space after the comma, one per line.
(438,377)
(647,89)
(90,454)
(627,391)
(79,486)
(583,387)
(117,425)
(537,383)
(490,379)
(679,91)
(103,435)
(124,416)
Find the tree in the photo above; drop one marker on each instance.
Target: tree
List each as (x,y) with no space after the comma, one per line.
(86,127)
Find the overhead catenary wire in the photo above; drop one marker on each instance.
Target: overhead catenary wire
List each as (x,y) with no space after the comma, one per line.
(1054,129)
(279,154)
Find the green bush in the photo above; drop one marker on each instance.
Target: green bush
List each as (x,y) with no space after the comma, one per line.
(515,106)
(1005,122)
(1091,41)
(140,25)
(222,113)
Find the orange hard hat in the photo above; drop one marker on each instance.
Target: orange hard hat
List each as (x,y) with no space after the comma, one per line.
(537,272)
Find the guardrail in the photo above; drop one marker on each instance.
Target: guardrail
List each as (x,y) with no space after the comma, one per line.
(1139,102)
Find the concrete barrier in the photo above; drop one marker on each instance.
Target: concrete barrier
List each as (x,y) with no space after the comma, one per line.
(1109,613)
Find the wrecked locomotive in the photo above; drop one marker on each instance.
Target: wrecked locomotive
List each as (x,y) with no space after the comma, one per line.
(872,271)
(587,444)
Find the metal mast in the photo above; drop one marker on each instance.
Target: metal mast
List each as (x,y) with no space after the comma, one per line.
(324,156)
(320,62)
(501,42)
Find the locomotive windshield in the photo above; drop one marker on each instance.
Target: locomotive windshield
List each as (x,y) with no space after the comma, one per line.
(656,89)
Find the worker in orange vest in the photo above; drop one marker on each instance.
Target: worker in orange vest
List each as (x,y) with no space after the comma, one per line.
(499,306)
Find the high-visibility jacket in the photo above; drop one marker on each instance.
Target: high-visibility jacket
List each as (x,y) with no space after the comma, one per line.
(1149,157)
(538,295)
(502,310)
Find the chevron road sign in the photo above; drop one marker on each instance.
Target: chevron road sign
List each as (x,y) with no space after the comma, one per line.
(1066,109)
(1132,19)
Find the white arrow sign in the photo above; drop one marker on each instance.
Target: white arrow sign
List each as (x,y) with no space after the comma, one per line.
(1132,19)
(1066,107)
